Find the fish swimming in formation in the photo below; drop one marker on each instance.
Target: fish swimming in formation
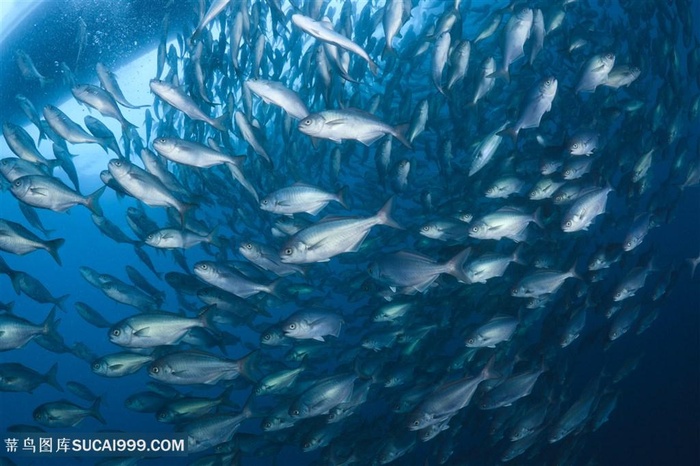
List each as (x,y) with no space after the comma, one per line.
(354,344)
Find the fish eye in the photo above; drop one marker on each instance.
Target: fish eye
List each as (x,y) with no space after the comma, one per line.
(416,423)
(116,332)
(162,415)
(628,244)
(161,140)
(548,82)
(470,341)
(267,337)
(618,294)
(306,122)
(425,228)
(264,202)
(475,229)
(568,223)
(295,412)
(292,326)
(248,246)
(575,146)
(288,251)
(95,366)
(118,163)
(203,266)
(155,370)
(307,445)
(370,270)
(610,56)
(489,191)
(567,173)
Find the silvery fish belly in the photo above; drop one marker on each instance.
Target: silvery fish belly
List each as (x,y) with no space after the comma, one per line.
(351,232)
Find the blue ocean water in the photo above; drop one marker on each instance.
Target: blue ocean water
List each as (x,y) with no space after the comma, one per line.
(656,418)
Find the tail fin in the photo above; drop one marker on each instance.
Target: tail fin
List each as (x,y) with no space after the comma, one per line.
(272,288)
(51,379)
(61,302)
(95,410)
(221,122)
(389,51)
(206,319)
(214,238)
(50,323)
(384,215)
(502,73)
(537,217)
(399,132)
(572,272)
(510,131)
(517,255)
(455,266)
(373,67)
(487,372)
(52,248)
(92,201)
(248,365)
(342,192)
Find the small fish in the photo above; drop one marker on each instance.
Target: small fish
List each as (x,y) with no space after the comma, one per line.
(63,413)
(312,324)
(498,329)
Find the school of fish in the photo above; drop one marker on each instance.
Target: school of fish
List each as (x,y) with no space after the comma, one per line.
(420,210)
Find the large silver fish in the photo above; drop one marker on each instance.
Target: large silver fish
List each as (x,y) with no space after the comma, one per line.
(326,239)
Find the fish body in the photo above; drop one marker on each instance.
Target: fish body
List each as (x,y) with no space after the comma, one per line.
(22,144)
(326,239)
(15,377)
(542,282)
(193,367)
(321,32)
(349,123)
(16,239)
(506,222)
(300,198)
(312,324)
(275,93)
(49,193)
(68,129)
(192,153)
(229,279)
(267,258)
(100,100)
(511,390)
(497,330)
(150,330)
(586,208)
(416,272)
(63,413)
(174,238)
(109,83)
(595,72)
(120,364)
(183,102)
(517,31)
(324,395)
(538,103)
(145,187)
(446,400)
